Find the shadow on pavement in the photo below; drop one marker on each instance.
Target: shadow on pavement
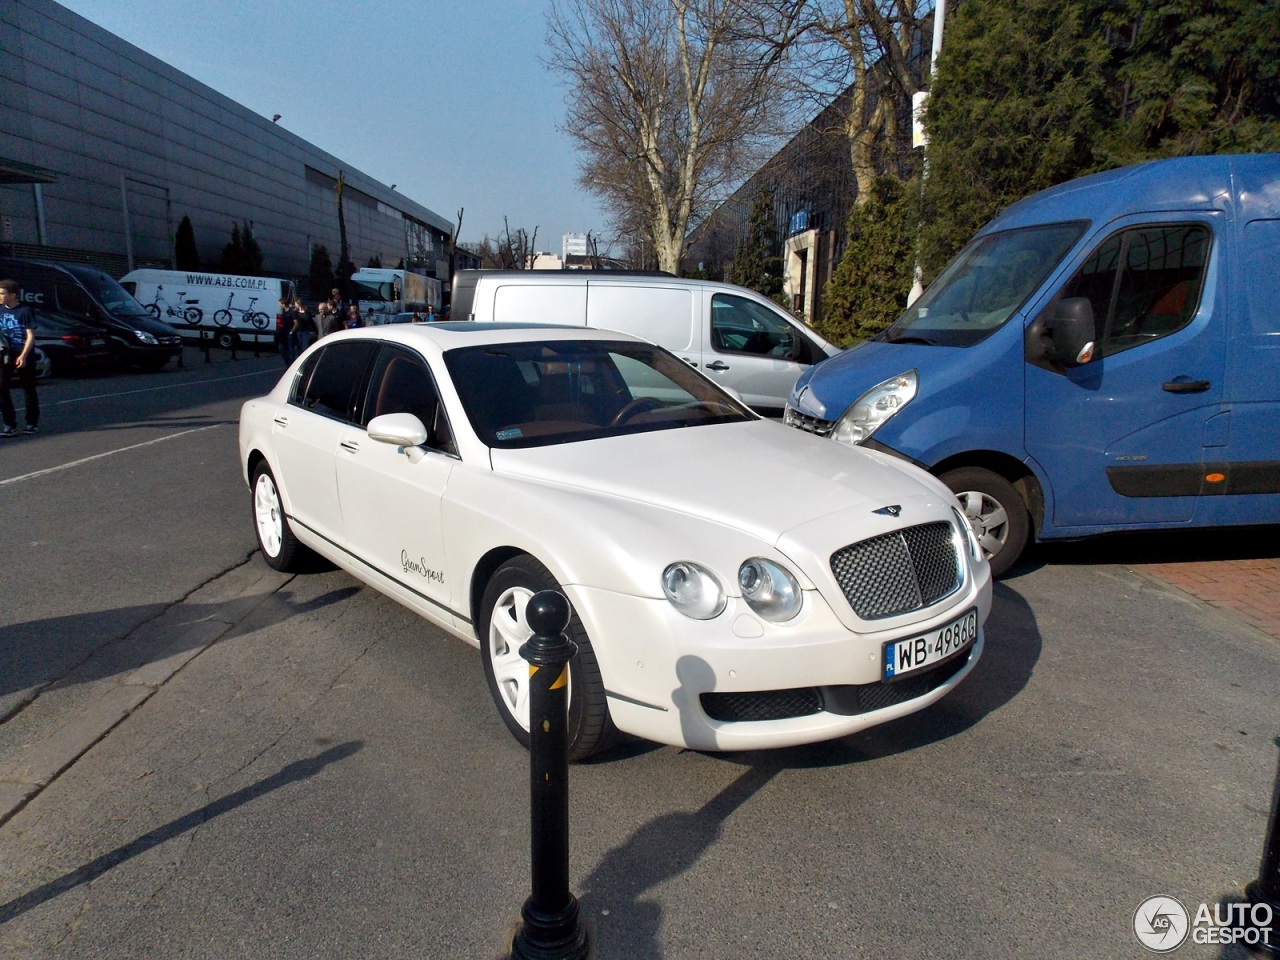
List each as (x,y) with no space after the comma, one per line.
(1157,546)
(293,773)
(86,647)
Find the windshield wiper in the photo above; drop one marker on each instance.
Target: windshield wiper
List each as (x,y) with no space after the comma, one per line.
(911,339)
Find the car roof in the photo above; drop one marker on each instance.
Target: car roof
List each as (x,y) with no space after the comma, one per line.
(466,333)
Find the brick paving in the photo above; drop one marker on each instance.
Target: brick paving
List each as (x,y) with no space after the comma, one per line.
(1236,570)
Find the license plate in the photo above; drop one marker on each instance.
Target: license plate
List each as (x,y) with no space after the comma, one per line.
(902,657)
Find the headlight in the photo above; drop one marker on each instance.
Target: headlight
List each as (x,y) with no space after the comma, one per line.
(769,589)
(145,337)
(693,590)
(966,531)
(864,415)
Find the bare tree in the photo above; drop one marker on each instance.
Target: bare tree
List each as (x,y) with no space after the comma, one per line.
(669,102)
(517,251)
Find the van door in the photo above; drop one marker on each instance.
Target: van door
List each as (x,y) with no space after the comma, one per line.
(754,349)
(1252,461)
(665,315)
(1122,438)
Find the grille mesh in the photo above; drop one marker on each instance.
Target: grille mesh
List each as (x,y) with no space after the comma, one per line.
(898,572)
(762,705)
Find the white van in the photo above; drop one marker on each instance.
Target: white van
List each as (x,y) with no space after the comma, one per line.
(233,309)
(737,337)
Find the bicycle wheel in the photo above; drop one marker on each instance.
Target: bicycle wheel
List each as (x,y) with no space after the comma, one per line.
(259,320)
(194,315)
(222,318)
(153,310)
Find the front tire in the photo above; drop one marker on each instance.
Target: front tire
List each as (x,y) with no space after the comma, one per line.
(502,629)
(222,318)
(995,511)
(280,548)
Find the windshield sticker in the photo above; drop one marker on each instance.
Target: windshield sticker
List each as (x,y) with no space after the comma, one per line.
(511,433)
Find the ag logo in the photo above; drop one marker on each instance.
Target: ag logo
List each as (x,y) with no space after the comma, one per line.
(1161,924)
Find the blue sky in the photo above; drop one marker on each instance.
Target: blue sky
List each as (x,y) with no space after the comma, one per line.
(447,99)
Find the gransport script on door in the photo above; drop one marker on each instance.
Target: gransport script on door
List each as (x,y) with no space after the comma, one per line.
(420,567)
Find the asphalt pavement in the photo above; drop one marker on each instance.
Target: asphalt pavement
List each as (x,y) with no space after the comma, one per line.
(255,764)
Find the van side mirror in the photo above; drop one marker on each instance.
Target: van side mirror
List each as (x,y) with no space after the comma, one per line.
(1063,335)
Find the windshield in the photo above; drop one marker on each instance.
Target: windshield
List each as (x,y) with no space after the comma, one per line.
(111,295)
(983,286)
(366,290)
(537,394)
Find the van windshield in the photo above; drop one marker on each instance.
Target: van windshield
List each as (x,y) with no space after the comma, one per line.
(111,295)
(984,285)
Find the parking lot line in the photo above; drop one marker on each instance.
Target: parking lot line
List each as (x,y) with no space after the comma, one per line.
(109,453)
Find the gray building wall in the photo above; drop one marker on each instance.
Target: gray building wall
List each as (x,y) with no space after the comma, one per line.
(128,136)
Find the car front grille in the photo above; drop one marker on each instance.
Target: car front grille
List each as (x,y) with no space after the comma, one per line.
(845,700)
(802,421)
(898,572)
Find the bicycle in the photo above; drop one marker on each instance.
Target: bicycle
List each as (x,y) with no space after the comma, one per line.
(255,317)
(193,315)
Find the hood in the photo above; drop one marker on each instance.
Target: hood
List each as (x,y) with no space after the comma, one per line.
(761,478)
(826,389)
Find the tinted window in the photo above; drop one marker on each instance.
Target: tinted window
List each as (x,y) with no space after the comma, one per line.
(73,300)
(1143,284)
(338,375)
(401,383)
(532,394)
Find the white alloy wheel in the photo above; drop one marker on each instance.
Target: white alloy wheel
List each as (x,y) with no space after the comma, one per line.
(989,520)
(996,512)
(508,631)
(269,515)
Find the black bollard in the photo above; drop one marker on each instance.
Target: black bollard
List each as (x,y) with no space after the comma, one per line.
(549,928)
(204,344)
(1266,889)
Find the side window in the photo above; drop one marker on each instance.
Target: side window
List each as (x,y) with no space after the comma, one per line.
(740,325)
(401,383)
(1143,284)
(72,300)
(332,388)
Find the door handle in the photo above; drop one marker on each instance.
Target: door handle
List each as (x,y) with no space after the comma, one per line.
(692,363)
(281,421)
(1187,386)
(350,446)
(718,365)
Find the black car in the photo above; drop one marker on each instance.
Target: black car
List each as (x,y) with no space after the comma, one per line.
(71,346)
(97,300)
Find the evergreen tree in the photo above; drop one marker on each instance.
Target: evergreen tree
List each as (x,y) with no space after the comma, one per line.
(233,253)
(186,256)
(756,264)
(869,287)
(252,252)
(321,272)
(1017,103)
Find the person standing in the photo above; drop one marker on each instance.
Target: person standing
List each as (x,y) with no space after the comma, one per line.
(431,314)
(17,339)
(354,320)
(304,327)
(284,327)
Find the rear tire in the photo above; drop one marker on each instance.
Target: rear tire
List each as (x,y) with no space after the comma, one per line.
(995,511)
(502,629)
(280,548)
(227,340)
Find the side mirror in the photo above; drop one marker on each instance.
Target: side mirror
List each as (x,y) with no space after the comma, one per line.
(401,429)
(1063,335)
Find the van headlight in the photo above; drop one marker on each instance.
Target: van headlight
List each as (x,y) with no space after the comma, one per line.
(769,589)
(865,415)
(145,337)
(693,590)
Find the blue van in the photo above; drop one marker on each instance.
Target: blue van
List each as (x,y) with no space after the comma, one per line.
(1102,356)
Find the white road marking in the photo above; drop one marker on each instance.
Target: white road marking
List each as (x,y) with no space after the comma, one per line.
(110,453)
(168,386)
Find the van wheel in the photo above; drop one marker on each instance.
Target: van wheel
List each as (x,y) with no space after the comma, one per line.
(502,629)
(226,340)
(995,511)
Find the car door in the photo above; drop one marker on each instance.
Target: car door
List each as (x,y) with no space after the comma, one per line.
(391,496)
(755,350)
(306,433)
(1123,437)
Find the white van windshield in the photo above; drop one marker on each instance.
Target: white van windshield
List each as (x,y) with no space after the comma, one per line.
(982,287)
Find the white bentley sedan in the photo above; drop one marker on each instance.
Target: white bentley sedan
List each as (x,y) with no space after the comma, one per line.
(735,584)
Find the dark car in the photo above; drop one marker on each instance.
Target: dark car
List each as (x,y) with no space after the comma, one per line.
(71,346)
(97,300)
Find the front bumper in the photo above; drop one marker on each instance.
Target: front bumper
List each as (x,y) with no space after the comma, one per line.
(741,683)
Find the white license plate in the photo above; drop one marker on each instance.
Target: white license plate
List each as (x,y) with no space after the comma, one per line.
(902,657)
